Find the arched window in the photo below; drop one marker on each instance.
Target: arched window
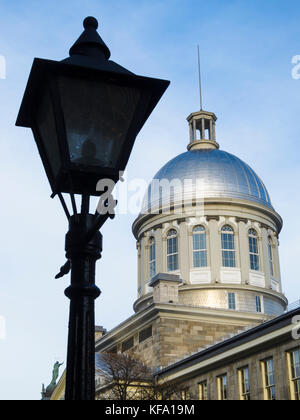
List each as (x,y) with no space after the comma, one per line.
(253,249)
(172,250)
(271,262)
(199,247)
(152,258)
(228,247)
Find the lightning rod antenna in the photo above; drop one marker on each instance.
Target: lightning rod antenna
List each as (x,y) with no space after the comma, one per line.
(200,83)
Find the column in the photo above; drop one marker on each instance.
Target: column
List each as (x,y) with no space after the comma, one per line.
(191,132)
(215,251)
(138,247)
(159,250)
(277,263)
(164,253)
(265,256)
(210,130)
(184,256)
(194,130)
(203,128)
(214,131)
(143,262)
(244,250)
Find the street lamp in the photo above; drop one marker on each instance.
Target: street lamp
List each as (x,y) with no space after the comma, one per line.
(85,113)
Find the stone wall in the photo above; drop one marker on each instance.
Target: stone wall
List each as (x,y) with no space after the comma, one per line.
(173,339)
(149,350)
(180,338)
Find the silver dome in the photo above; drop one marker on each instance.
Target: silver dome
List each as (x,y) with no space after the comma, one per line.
(210,174)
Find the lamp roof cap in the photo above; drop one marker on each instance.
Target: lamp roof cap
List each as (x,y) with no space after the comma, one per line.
(90,42)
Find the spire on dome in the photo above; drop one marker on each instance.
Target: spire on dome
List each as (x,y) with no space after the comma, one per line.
(200,81)
(202,124)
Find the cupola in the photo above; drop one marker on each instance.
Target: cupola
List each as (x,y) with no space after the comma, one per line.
(202,130)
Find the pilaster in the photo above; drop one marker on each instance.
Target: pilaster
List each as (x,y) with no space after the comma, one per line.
(244,250)
(215,250)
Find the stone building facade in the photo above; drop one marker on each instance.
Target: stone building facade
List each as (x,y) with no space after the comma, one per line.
(262,363)
(209,283)
(173,330)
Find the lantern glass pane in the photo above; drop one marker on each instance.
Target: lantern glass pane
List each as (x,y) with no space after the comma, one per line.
(45,122)
(97,118)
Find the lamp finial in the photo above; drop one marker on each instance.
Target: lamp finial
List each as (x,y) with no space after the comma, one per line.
(90,22)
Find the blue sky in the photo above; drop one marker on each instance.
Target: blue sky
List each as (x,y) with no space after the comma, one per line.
(246,47)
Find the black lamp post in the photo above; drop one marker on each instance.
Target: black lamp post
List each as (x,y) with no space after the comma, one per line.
(85,113)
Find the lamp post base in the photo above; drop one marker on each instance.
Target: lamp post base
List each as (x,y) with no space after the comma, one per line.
(80,378)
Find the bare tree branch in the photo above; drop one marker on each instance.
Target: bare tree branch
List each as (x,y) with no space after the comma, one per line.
(127,378)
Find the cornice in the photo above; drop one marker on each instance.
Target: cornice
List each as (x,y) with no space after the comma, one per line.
(143,219)
(176,311)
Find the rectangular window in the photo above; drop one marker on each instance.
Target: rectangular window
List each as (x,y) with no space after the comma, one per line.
(173,262)
(127,345)
(172,246)
(268,378)
(185,394)
(258,304)
(254,262)
(203,391)
(222,387)
(294,374)
(199,241)
(145,334)
(228,241)
(244,384)
(231,301)
(200,259)
(152,269)
(228,258)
